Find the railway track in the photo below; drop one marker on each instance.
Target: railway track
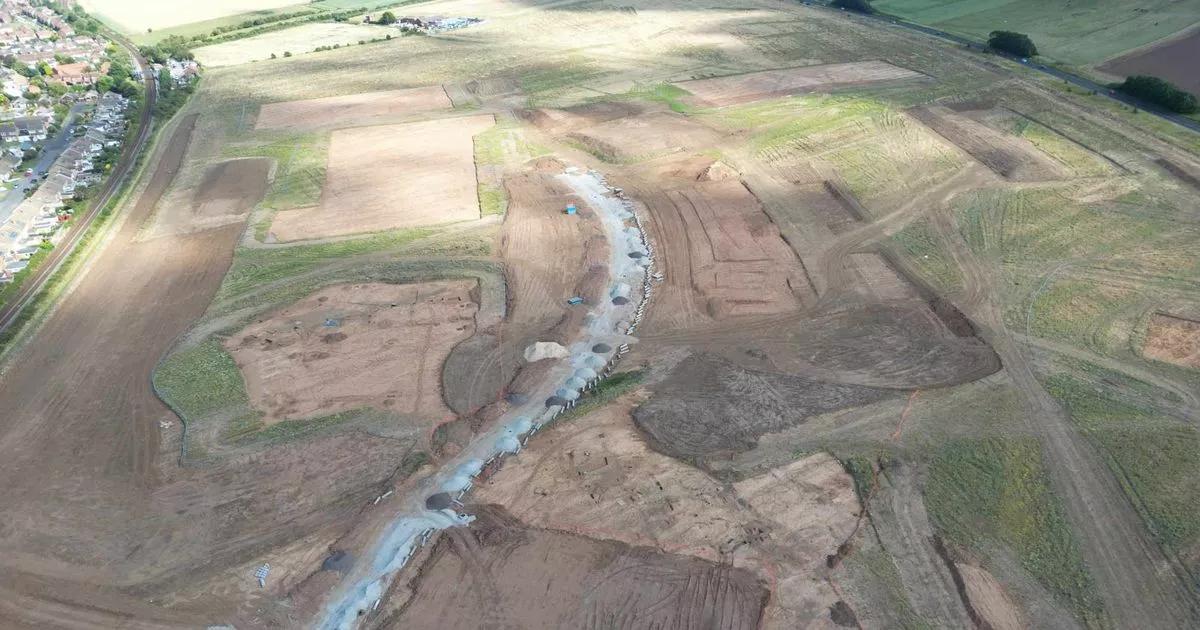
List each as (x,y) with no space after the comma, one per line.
(10,313)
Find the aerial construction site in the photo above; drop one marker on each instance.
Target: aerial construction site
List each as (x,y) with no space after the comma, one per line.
(652,315)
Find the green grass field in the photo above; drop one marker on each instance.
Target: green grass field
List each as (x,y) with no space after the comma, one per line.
(1156,458)
(1080,34)
(982,492)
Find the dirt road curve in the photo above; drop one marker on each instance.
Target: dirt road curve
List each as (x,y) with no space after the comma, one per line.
(11,310)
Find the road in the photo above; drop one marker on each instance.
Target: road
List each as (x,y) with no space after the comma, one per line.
(1083,82)
(50,152)
(11,311)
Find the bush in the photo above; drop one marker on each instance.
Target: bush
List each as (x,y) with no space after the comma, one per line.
(1017,44)
(1160,92)
(861,6)
(387,18)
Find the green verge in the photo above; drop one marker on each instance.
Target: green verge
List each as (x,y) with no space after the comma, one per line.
(492,200)
(995,490)
(253,267)
(1154,457)
(201,380)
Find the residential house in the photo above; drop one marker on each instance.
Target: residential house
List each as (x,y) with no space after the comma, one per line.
(8,164)
(24,129)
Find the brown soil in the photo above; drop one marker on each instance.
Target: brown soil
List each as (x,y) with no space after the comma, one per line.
(995,608)
(1179,172)
(709,407)
(351,110)
(1173,60)
(644,136)
(722,256)
(549,257)
(756,86)
(356,345)
(595,476)
(231,188)
(1174,340)
(548,253)
(392,176)
(1008,156)
(503,574)
(559,121)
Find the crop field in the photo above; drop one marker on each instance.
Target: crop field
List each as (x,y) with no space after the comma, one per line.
(849,327)
(1084,35)
(1172,60)
(298,40)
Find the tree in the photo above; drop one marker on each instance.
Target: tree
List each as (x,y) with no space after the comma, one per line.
(105,83)
(273,56)
(1161,93)
(387,18)
(287,53)
(1017,44)
(861,6)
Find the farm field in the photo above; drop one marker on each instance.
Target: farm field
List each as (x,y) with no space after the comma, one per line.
(1078,36)
(297,40)
(674,315)
(392,176)
(1172,60)
(136,17)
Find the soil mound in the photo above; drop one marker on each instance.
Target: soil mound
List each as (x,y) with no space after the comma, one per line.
(545,350)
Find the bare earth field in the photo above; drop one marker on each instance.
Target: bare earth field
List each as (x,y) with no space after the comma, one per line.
(484,577)
(1174,340)
(1173,60)
(596,477)
(739,263)
(352,109)
(1009,157)
(639,137)
(352,346)
(756,86)
(392,176)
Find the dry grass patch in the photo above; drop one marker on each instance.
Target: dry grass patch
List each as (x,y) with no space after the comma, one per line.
(392,176)
(301,39)
(756,86)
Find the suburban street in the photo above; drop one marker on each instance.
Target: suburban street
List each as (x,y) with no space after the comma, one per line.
(10,312)
(50,152)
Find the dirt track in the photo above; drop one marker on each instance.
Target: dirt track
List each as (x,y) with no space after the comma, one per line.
(1140,584)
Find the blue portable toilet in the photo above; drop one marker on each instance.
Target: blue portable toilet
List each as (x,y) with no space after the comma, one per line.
(571,209)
